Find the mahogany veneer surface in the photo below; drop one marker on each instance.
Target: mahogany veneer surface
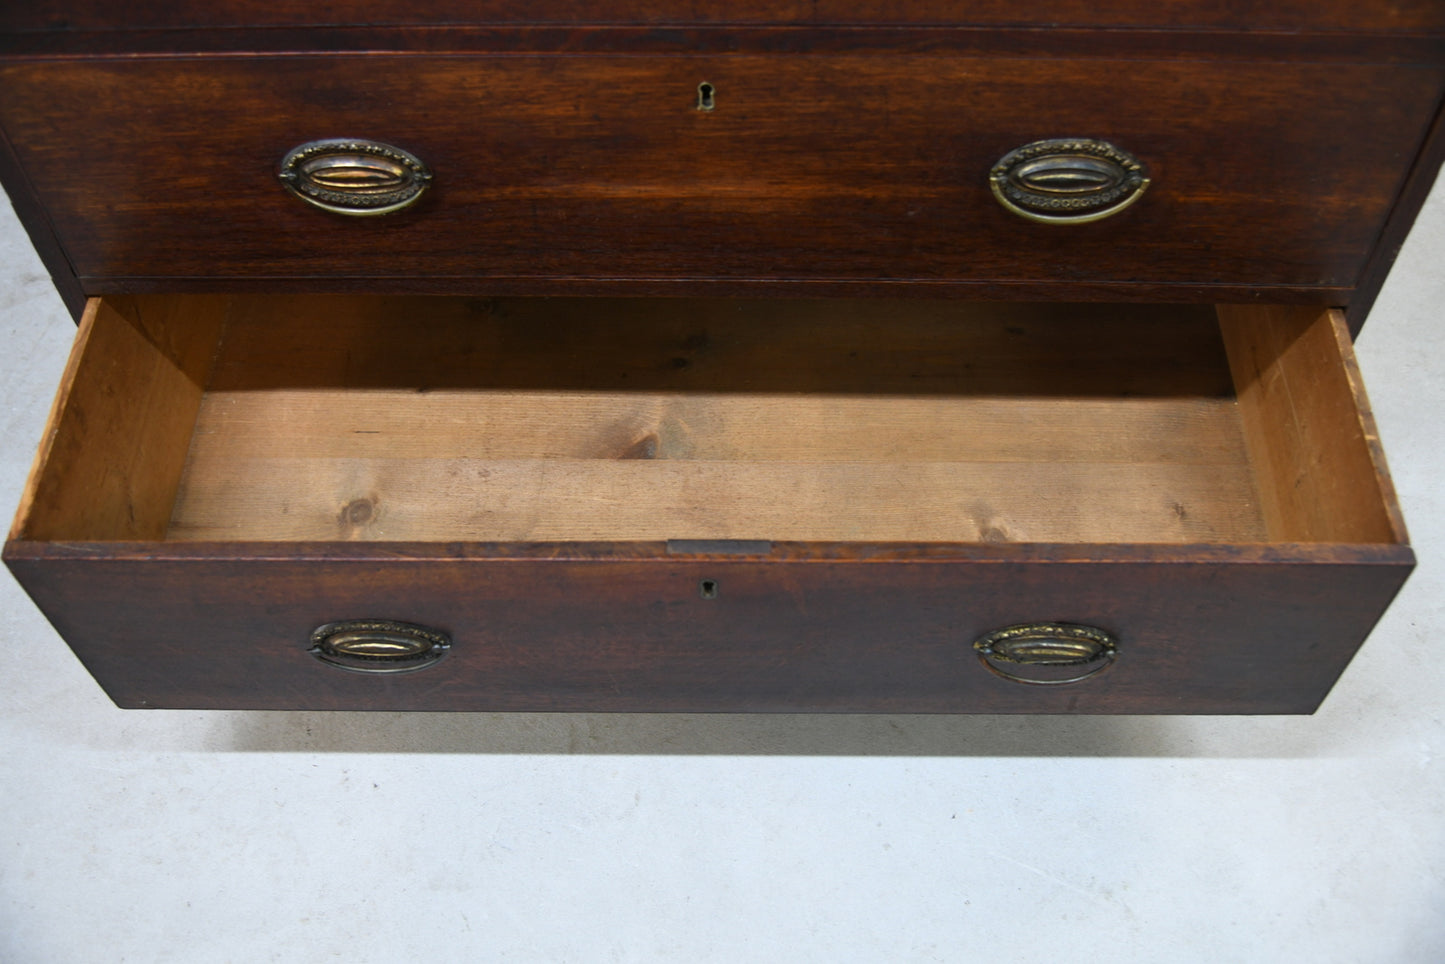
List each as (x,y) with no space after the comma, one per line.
(1325,15)
(857,169)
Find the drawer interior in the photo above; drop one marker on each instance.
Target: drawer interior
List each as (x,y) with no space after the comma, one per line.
(338,418)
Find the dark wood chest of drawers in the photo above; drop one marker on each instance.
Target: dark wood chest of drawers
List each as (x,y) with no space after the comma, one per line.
(631,356)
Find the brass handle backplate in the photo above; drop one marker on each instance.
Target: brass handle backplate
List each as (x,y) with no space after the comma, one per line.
(1047,653)
(1070,180)
(357,177)
(378,645)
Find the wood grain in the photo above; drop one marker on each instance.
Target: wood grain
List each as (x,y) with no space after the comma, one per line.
(1397,16)
(1079,43)
(1415,189)
(565,500)
(1120,292)
(334,423)
(814,168)
(111,457)
(850,347)
(1311,438)
(582,420)
(39,230)
(1201,629)
(427,419)
(1019,464)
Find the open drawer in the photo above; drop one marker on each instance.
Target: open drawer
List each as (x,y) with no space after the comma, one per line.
(585,504)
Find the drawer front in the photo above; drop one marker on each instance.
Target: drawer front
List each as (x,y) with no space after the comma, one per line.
(855,169)
(1247,634)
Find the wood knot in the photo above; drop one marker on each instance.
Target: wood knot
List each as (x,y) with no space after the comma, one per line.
(991,528)
(357,512)
(643,448)
(993,533)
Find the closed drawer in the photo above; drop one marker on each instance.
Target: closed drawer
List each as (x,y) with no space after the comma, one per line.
(711,505)
(1334,15)
(858,170)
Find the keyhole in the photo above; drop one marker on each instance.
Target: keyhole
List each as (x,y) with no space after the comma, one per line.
(707,589)
(705,96)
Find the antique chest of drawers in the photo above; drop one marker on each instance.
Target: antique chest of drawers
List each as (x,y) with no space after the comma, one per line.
(636,355)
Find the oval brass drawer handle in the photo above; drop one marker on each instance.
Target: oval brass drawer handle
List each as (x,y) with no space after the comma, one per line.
(378,645)
(1070,180)
(1047,646)
(357,177)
